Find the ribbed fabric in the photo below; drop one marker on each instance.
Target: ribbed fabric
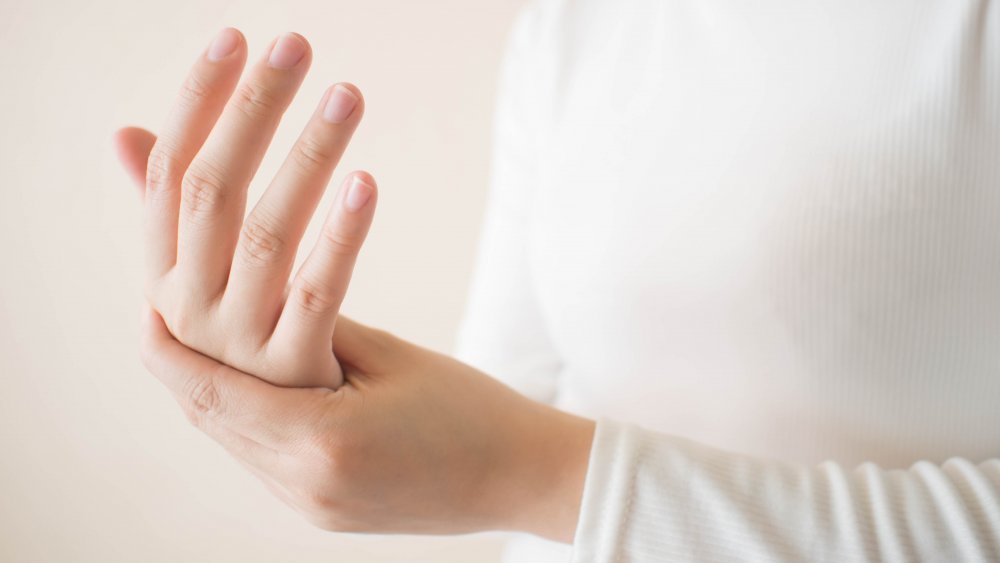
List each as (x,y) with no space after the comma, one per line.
(654,497)
(768,234)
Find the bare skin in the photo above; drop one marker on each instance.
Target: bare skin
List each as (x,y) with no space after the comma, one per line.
(355,428)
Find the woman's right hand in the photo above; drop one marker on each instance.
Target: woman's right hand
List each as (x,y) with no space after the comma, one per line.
(413,442)
(221,283)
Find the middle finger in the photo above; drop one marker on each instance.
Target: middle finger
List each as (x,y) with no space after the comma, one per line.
(213,193)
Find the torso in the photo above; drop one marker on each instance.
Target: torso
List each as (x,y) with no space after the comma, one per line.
(775,227)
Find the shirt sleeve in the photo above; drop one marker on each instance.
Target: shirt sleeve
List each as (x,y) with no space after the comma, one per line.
(656,497)
(502,331)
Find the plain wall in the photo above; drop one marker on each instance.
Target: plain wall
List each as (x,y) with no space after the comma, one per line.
(97,463)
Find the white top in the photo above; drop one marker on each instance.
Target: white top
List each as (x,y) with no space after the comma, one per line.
(767,234)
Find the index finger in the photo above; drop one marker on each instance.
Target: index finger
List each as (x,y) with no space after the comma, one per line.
(212,393)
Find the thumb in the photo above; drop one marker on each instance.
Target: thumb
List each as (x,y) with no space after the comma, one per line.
(133,145)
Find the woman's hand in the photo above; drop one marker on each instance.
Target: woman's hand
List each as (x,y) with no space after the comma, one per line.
(221,283)
(392,437)
(413,442)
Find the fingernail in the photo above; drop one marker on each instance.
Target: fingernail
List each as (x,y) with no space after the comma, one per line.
(358,194)
(287,52)
(339,105)
(224,44)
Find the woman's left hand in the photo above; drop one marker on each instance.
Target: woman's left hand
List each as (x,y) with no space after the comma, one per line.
(413,442)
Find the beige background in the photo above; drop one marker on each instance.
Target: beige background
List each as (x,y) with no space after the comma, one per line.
(96,461)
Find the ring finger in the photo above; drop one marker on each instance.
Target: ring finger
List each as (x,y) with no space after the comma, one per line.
(271,234)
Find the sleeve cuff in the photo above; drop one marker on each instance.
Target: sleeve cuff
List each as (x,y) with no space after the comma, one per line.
(607,492)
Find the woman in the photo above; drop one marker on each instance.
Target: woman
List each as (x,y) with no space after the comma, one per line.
(750,252)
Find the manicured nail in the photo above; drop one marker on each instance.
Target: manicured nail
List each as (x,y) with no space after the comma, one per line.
(287,52)
(357,194)
(339,105)
(224,44)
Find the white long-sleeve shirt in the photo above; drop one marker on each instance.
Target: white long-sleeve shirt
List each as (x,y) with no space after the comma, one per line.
(760,243)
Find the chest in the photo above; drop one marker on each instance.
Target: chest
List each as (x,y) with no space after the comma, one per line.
(715,179)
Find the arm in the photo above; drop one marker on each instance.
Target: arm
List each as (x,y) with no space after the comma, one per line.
(446,449)
(354,428)
(440,447)
(655,497)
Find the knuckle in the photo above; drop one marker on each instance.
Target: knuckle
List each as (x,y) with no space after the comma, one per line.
(254,101)
(260,244)
(322,492)
(338,458)
(181,324)
(161,170)
(190,321)
(203,192)
(326,453)
(201,399)
(324,502)
(340,242)
(193,90)
(313,298)
(309,155)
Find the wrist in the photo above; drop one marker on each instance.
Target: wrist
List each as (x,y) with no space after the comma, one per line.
(545,488)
